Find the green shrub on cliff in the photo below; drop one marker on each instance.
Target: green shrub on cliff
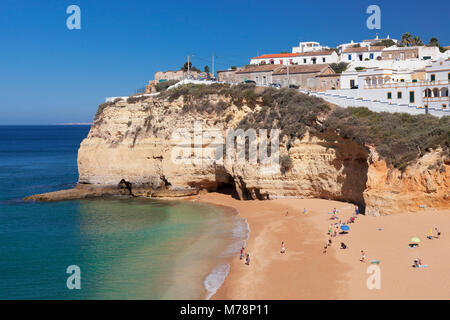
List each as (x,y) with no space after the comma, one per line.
(399,138)
(288,110)
(162,86)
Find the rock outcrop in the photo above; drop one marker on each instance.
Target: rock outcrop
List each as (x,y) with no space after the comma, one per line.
(134,142)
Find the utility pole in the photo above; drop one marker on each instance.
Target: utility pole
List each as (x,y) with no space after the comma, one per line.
(188,69)
(213,65)
(288,74)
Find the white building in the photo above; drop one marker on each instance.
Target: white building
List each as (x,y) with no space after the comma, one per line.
(277,58)
(426,88)
(365,53)
(364,43)
(317,57)
(308,47)
(309,57)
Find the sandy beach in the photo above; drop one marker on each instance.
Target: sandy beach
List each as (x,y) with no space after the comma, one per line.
(305,272)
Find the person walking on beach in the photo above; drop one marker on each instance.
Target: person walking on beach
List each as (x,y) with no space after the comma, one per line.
(363,256)
(283,248)
(287,212)
(304,210)
(325,248)
(356,210)
(242,254)
(247,260)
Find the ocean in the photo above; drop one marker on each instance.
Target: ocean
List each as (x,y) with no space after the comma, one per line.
(125,248)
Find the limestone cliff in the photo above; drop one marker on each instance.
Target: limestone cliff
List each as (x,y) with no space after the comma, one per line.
(132,141)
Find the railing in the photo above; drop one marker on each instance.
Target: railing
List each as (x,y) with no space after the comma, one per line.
(407,84)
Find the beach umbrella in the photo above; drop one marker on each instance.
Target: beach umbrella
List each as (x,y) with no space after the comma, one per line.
(345,228)
(415,239)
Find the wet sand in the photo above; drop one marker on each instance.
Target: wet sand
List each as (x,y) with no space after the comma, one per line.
(304,272)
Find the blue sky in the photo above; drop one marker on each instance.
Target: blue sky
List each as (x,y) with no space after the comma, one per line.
(49,74)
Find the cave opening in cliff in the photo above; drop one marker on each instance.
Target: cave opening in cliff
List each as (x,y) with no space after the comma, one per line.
(226,184)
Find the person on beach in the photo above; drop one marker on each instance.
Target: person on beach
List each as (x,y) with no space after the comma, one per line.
(247,259)
(363,256)
(304,210)
(329,242)
(242,253)
(438,232)
(343,245)
(325,248)
(283,248)
(356,210)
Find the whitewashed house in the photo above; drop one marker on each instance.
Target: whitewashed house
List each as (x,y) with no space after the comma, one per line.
(308,47)
(364,43)
(317,57)
(426,89)
(276,58)
(365,53)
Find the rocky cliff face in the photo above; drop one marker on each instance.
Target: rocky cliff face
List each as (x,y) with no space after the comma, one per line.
(133,141)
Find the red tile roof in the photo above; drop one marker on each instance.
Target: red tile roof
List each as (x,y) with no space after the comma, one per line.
(356,49)
(316,53)
(259,68)
(307,68)
(276,55)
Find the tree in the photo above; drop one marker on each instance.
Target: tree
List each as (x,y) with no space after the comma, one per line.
(416,41)
(434,42)
(233,67)
(409,40)
(406,39)
(385,43)
(192,68)
(206,69)
(339,67)
(185,67)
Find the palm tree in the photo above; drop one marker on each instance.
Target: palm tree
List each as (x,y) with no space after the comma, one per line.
(434,42)
(406,39)
(416,41)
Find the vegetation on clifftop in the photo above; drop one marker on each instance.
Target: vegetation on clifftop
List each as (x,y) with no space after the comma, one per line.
(399,138)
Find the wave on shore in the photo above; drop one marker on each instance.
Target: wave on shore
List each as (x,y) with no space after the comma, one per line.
(239,236)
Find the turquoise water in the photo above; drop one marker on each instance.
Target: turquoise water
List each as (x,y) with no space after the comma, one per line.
(126,248)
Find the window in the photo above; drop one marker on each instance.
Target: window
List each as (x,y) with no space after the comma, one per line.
(444,106)
(414,80)
(399,95)
(449,76)
(402,80)
(349,57)
(324,59)
(304,60)
(371,56)
(433,77)
(352,83)
(389,95)
(411,97)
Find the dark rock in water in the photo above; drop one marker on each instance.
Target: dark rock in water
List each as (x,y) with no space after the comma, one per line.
(123,184)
